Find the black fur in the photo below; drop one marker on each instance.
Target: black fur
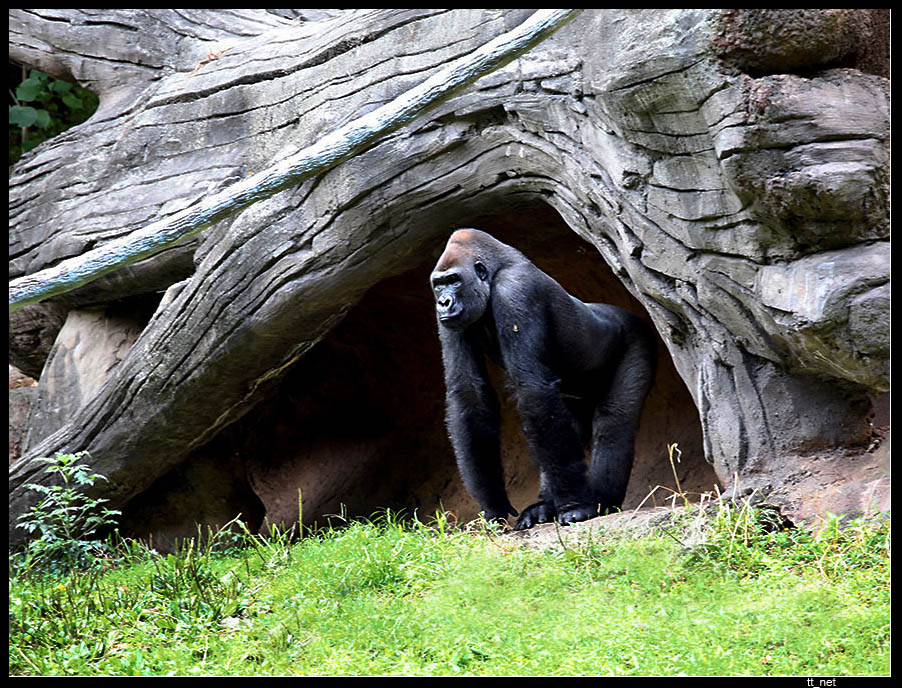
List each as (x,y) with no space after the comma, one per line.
(579,374)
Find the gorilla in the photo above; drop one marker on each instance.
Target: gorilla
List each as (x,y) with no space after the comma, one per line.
(579,373)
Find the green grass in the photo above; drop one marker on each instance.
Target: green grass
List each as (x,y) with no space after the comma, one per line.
(386,598)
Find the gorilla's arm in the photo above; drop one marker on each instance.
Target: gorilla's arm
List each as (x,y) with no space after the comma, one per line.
(473,419)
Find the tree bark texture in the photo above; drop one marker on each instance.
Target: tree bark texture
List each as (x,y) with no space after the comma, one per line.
(734,177)
(325,153)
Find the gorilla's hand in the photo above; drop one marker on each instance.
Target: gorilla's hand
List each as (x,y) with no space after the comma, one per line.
(499,515)
(540,512)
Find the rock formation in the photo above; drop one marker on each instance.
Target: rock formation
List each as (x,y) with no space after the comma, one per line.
(723,172)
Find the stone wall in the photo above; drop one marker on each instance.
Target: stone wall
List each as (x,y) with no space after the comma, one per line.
(730,168)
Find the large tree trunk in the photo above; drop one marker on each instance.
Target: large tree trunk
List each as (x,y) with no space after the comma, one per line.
(316,159)
(730,166)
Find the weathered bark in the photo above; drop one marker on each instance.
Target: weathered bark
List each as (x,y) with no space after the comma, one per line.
(325,153)
(746,210)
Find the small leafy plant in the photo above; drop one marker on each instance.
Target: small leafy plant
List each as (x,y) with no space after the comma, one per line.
(66,522)
(42,107)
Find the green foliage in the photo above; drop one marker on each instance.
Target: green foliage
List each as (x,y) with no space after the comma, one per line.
(65,524)
(42,107)
(752,541)
(388,597)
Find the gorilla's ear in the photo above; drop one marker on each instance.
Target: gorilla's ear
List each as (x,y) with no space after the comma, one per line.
(482,272)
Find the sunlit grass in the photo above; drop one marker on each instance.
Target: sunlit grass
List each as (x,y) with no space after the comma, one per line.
(393,598)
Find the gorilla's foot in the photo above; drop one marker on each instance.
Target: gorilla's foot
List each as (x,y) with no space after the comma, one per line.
(575,513)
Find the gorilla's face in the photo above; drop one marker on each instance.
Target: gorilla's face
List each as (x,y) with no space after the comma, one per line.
(461,293)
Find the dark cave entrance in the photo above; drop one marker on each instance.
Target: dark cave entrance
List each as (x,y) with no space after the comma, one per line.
(357,425)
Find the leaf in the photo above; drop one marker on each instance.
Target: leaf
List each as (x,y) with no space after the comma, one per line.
(72,101)
(30,89)
(43,119)
(22,116)
(82,478)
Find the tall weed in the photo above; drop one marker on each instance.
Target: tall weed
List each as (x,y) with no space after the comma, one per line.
(66,523)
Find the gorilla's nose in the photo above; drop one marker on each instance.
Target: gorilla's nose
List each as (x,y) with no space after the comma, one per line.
(444,302)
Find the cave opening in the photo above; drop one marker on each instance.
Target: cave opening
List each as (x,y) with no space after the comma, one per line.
(357,425)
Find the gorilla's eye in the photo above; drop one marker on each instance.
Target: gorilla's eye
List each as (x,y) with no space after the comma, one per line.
(482,272)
